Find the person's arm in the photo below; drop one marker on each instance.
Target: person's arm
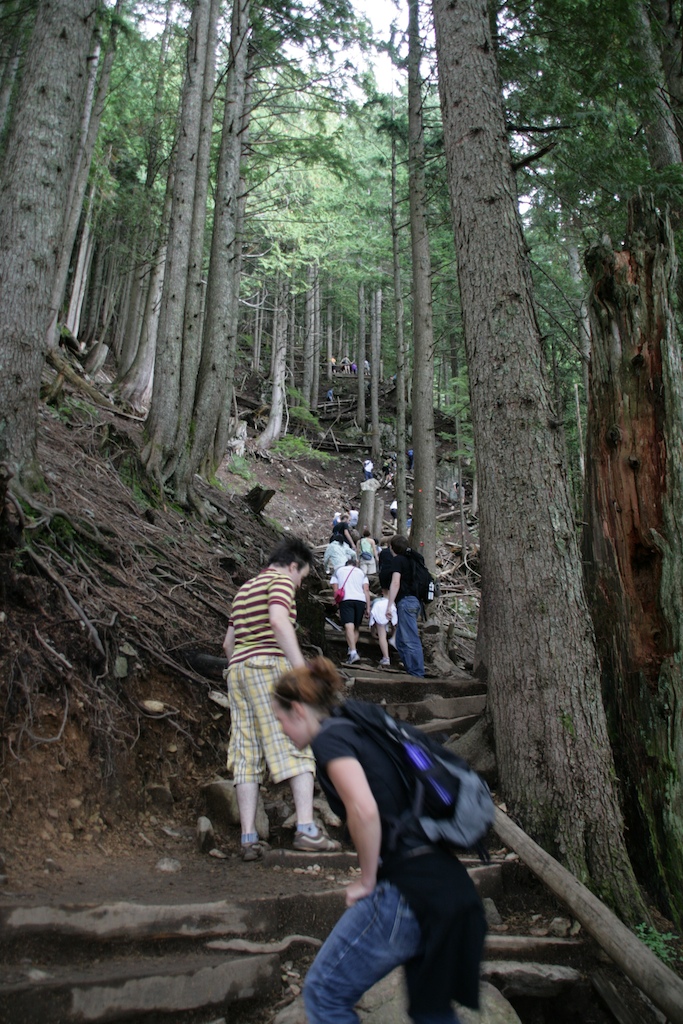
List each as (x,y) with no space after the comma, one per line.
(285,634)
(229,642)
(362,818)
(366,588)
(350,540)
(393,590)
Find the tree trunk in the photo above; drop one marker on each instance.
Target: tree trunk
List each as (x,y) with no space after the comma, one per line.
(361,415)
(424,469)
(309,335)
(216,369)
(277,403)
(33,194)
(317,342)
(375,359)
(401,446)
(536,645)
(94,109)
(633,542)
(159,453)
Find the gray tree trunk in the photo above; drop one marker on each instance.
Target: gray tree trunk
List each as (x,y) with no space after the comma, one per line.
(277,402)
(633,541)
(401,446)
(424,468)
(375,359)
(361,414)
(309,338)
(536,645)
(159,453)
(33,195)
(216,369)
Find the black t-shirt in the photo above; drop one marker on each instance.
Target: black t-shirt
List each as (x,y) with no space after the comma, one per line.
(435,884)
(404,565)
(386,561)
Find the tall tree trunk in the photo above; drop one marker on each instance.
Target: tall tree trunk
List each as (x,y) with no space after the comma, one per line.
(309,337)
(361,415)
(424,468)
(401,446)
(160,452)
(82,269)
(216,369)
(317,342)
(94,109)
(277,402)
(375,359)
(33,195)
(633,542)
(536,645)
(136,385)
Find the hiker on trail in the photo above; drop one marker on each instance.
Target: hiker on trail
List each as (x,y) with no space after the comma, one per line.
(368,467)
(413,904)
(381,624)
(368,553)
(260,644)
(353,518)
(337,554)
(385,564)
(346,364)
(402,595)
(354,367)
(330,395)
(340,528)
(393,509)
(354,605)
(411,459)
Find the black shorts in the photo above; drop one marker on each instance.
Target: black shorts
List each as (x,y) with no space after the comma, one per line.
(352,612)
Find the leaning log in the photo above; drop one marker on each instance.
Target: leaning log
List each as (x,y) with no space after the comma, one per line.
(645,970)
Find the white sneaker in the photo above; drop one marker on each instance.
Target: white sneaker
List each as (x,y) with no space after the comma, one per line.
(353,657)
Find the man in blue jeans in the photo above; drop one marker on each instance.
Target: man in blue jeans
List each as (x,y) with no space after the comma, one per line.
(402,595)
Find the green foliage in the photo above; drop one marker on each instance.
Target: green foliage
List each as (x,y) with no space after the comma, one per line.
(659,943)
(295,448)
(239,466)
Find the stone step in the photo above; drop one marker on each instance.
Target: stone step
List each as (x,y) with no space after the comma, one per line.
(131,989)
(391,688)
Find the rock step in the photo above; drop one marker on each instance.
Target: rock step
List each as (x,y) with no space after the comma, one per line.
(312,914)
(399,688)
(124,989)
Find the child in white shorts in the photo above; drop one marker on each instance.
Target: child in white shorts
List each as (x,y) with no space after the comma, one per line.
(381,627)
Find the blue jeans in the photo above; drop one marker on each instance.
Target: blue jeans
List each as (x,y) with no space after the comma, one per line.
(370,940)
(407,637)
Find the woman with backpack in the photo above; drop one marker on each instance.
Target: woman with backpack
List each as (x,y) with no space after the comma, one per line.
(368,553)
(414,903)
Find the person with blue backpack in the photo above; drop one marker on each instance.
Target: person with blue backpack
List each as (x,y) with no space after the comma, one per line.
(413,905)
(403,594)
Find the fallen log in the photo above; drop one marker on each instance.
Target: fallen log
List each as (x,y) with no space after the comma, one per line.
(655,979)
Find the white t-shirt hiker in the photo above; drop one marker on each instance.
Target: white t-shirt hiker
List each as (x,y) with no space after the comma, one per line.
(352,579)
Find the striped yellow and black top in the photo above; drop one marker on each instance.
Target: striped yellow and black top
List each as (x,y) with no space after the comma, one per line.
(253,633)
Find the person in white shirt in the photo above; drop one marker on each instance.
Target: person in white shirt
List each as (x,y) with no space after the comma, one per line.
(353,517)
(380,626)
(368,467)
(355,603)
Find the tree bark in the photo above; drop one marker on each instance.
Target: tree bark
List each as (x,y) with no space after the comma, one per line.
(159,453)
(424,470)
(277,403)
(361,415)
(216,369)
(633,541)
(375,359)
(536,645)
(401,446)
(33,195)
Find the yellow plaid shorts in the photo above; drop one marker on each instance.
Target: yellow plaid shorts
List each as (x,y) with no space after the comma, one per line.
(256,739)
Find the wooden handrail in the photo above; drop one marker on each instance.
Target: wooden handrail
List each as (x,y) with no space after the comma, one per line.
(639,963)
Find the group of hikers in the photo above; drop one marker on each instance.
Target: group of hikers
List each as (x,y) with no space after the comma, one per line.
(351,558)
(413,903)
